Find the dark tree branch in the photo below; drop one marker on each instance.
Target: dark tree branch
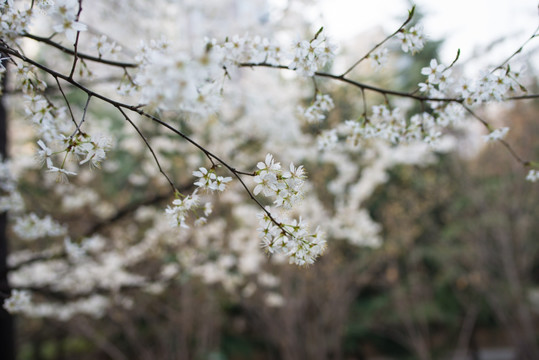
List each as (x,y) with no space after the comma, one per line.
(80,55)
(357,84)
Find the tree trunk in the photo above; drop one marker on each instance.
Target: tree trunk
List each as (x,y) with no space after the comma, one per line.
(7,328)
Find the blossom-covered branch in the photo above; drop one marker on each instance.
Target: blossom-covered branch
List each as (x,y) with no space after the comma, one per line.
(203,95)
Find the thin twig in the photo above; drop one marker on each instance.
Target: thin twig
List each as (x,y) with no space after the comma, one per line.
(484,122)
(315,86)
(513,153)
(535,34)
(364,103)
(67,102)
(524,163)
(76,45)
(410,16)
(149,147)
(522,97)
(83,115)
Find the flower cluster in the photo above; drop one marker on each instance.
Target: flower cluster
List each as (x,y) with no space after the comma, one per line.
(182,206)
(27,79)
(283,235)
(438,74)
(492,86)
(356,225)
(391,125)
(496,134)
(172,79)
(105,48)
(92,149)
(379,58)
(45,5)
(47,119)
(13,21)
(412,39)
(10,198)
(291,238)
(77,251)
(327,139)
(310,56)
(316,112)
(93,305)
(306,57)
(18,302)
(244,49)
(285,186)
(66,12)
(32,227)
(424,126)
(208,180)
(384,123)
(533,175)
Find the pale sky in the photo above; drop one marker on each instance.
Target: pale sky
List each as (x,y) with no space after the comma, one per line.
(464,23)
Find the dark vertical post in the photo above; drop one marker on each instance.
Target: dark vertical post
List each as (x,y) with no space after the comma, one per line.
(7,328)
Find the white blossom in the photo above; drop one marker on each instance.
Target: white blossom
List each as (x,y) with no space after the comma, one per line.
(316,112)
(533,175)
(31,227)
(412,40)
(310,56)
(496,134)
(208,180)
(379,58)
(18,302)
(70,28)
